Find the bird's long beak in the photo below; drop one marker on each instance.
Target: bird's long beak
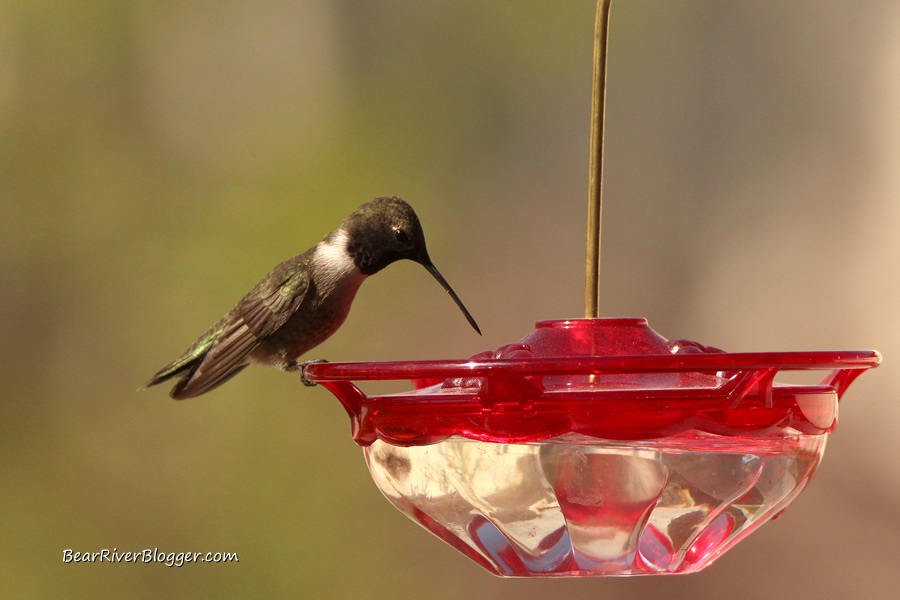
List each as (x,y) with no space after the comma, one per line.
(437,275)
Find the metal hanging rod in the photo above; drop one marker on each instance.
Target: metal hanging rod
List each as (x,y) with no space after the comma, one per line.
(595,179)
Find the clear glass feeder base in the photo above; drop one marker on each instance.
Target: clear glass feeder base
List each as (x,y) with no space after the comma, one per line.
(575,506)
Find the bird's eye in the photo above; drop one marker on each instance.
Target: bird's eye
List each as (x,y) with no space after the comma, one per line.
(401,236)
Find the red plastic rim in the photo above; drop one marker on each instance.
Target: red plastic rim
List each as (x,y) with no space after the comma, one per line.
(519,394)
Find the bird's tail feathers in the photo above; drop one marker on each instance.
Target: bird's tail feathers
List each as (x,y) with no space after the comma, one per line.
(184,365)
(188,362)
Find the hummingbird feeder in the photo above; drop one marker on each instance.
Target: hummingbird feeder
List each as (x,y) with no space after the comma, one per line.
(595,446)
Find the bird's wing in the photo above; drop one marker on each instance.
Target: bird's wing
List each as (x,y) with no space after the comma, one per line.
(260,313)
(275,300)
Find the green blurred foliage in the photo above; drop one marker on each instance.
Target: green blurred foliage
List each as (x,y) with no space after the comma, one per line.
(156,158)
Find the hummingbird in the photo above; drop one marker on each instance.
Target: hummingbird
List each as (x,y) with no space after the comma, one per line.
(304,300)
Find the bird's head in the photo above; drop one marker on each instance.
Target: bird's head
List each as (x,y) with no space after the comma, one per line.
(385,230)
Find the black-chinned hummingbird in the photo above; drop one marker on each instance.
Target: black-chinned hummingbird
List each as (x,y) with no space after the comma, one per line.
(304,300)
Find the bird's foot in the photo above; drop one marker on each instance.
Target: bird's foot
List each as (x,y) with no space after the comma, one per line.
(301,366)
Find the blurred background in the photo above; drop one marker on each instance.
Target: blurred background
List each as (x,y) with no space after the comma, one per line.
(157,158)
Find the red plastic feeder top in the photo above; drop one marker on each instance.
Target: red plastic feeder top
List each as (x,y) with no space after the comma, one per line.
(612,379)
